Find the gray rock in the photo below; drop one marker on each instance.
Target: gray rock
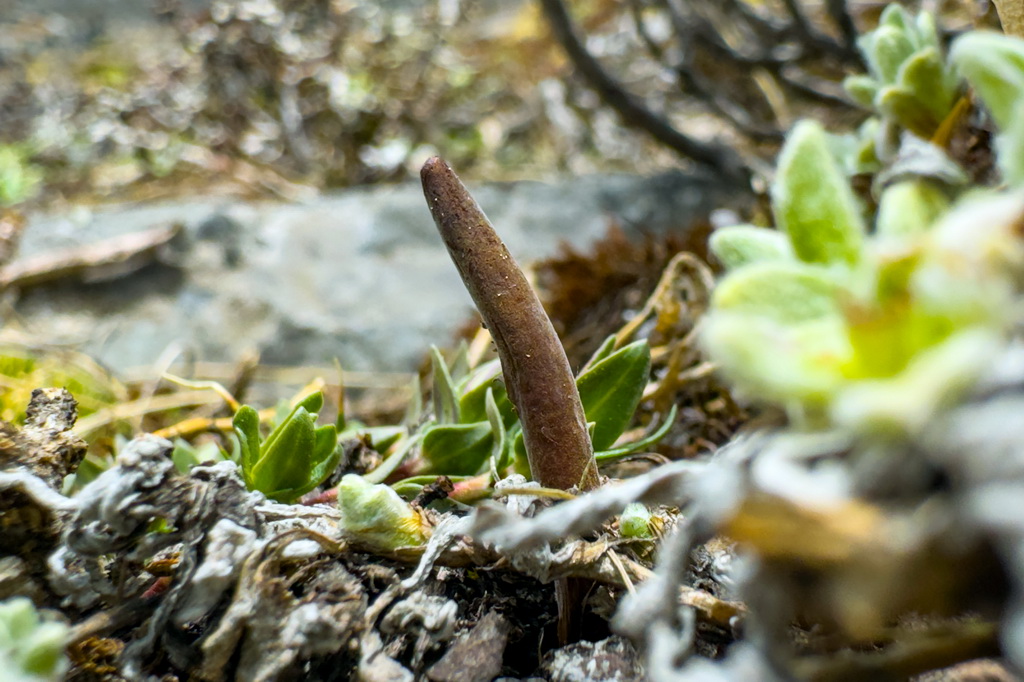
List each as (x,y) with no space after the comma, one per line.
(359,275)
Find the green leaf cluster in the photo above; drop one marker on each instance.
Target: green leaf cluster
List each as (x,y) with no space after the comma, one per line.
(875,320)
(472,419)
(296,456)
(910,83)
(31,649)
(476,428)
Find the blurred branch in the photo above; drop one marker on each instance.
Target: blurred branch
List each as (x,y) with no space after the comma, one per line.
(764,27)
(718,157)
(840,15)
(806,34)
(754,67)
(690,80)
(636,12)
(815,89)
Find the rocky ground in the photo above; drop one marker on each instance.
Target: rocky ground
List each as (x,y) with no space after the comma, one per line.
(359,276)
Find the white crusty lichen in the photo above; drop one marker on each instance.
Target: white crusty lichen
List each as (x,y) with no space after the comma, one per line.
(227,547)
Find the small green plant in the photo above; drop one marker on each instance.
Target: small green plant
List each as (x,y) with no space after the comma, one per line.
(376,517)
(476,429)
(636,523)
(876,328)
(31,649)
(472,418)
(909,83)
(295,458)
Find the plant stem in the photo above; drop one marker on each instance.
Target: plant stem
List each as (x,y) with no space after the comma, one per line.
(537,374)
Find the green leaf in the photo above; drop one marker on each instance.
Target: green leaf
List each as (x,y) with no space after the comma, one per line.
(862,89)
(499,442)
(813,202)
(887,49)
(903,106)
(20,179)
(784,292)
(472,402)
(937,377)
(741,244)
(326,456)
(312,403)
(924,75)
(894,16)
(460,363)
(326,442)
(603,351)
(910,207)
(1010,151)
(789,363)
(860,155)
(446,401)
(394,460)
(456,449)
(285,463)
(635,522)
(43,653)
(994,66)
(611,390)
(246,424)
(32,648)
(641,444)
(19,618)
(520,460)
(924,33)
(472,395)
(185,455)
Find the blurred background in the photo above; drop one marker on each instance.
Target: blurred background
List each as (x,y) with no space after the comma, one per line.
(119,99)
(190,182)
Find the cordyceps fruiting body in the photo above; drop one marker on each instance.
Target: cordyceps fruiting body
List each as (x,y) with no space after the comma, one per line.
(536,371)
